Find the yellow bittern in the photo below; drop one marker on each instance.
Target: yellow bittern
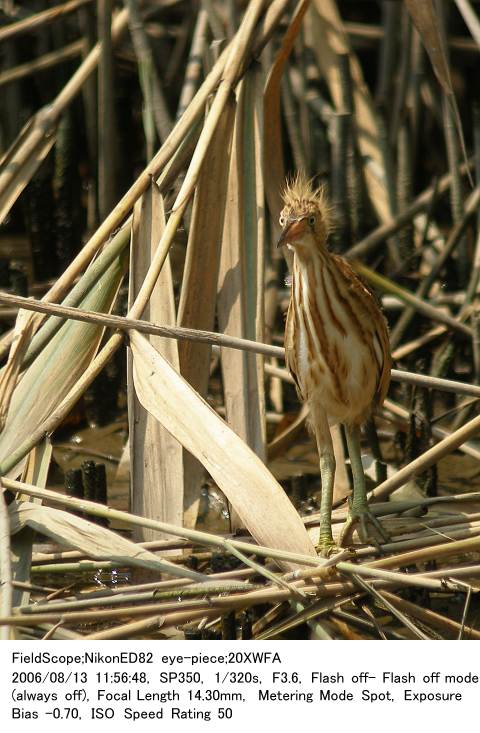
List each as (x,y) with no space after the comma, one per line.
(337,348)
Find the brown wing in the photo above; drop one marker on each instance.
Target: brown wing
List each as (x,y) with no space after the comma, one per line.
(385,374)
(373,305)
(290,351)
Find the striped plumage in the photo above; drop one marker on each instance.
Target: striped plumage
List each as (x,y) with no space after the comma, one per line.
(336,340)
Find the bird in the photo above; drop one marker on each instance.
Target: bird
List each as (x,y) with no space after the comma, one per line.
(336,348)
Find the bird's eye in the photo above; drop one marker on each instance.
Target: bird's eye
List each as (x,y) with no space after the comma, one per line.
(281,221)
(311,221)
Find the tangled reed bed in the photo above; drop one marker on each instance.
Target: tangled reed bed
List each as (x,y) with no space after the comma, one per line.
(233,96)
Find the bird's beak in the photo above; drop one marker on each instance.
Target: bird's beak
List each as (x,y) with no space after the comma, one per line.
(292,232)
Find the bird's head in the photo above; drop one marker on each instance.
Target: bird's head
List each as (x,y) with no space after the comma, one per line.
(306,216)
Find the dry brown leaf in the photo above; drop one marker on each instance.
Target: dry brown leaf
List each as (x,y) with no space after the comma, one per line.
(36,472)
(156,467)
(328,38)
(15,182)
(272,117)
(425,20)
(424,17)
(240,311)
(93,540)
(259,500)
(23,331)
(198,296)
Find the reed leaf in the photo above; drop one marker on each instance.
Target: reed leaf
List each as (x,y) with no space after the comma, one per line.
(110,253)
(58,367)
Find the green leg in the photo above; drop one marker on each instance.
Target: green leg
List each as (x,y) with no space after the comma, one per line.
(359,511)
(327,471)
(326,545)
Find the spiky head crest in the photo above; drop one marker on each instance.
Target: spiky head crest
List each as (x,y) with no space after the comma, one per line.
(301,198)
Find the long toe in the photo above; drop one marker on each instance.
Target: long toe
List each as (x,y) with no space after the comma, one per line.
(365,522)
(369,521)
(327,548)
(346,535)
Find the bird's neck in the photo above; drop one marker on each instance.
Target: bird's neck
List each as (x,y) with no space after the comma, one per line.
(307,259)
(309,271)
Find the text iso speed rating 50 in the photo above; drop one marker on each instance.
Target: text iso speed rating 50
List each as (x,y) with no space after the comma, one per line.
(214,685)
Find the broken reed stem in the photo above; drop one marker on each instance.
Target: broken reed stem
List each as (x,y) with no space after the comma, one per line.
(236,59)
(122,323)
(42,63)
(190,591)
(398,411)
(193,69)
(221,604)
(154,98)
(129,630)
(443,448)
(127,324)
(427,616)
(157,546)
(105,110)
(216,605)
(308,615)
(427,459)
(40,20)
(181,130)
(423,290)
(420,542)
(416,303)
(385,508)
(372,240)
(398,614)
(52,112)
(373,571)
(424,554)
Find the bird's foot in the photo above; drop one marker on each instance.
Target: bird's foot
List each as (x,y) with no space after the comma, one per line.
(365,520)
(327,547)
